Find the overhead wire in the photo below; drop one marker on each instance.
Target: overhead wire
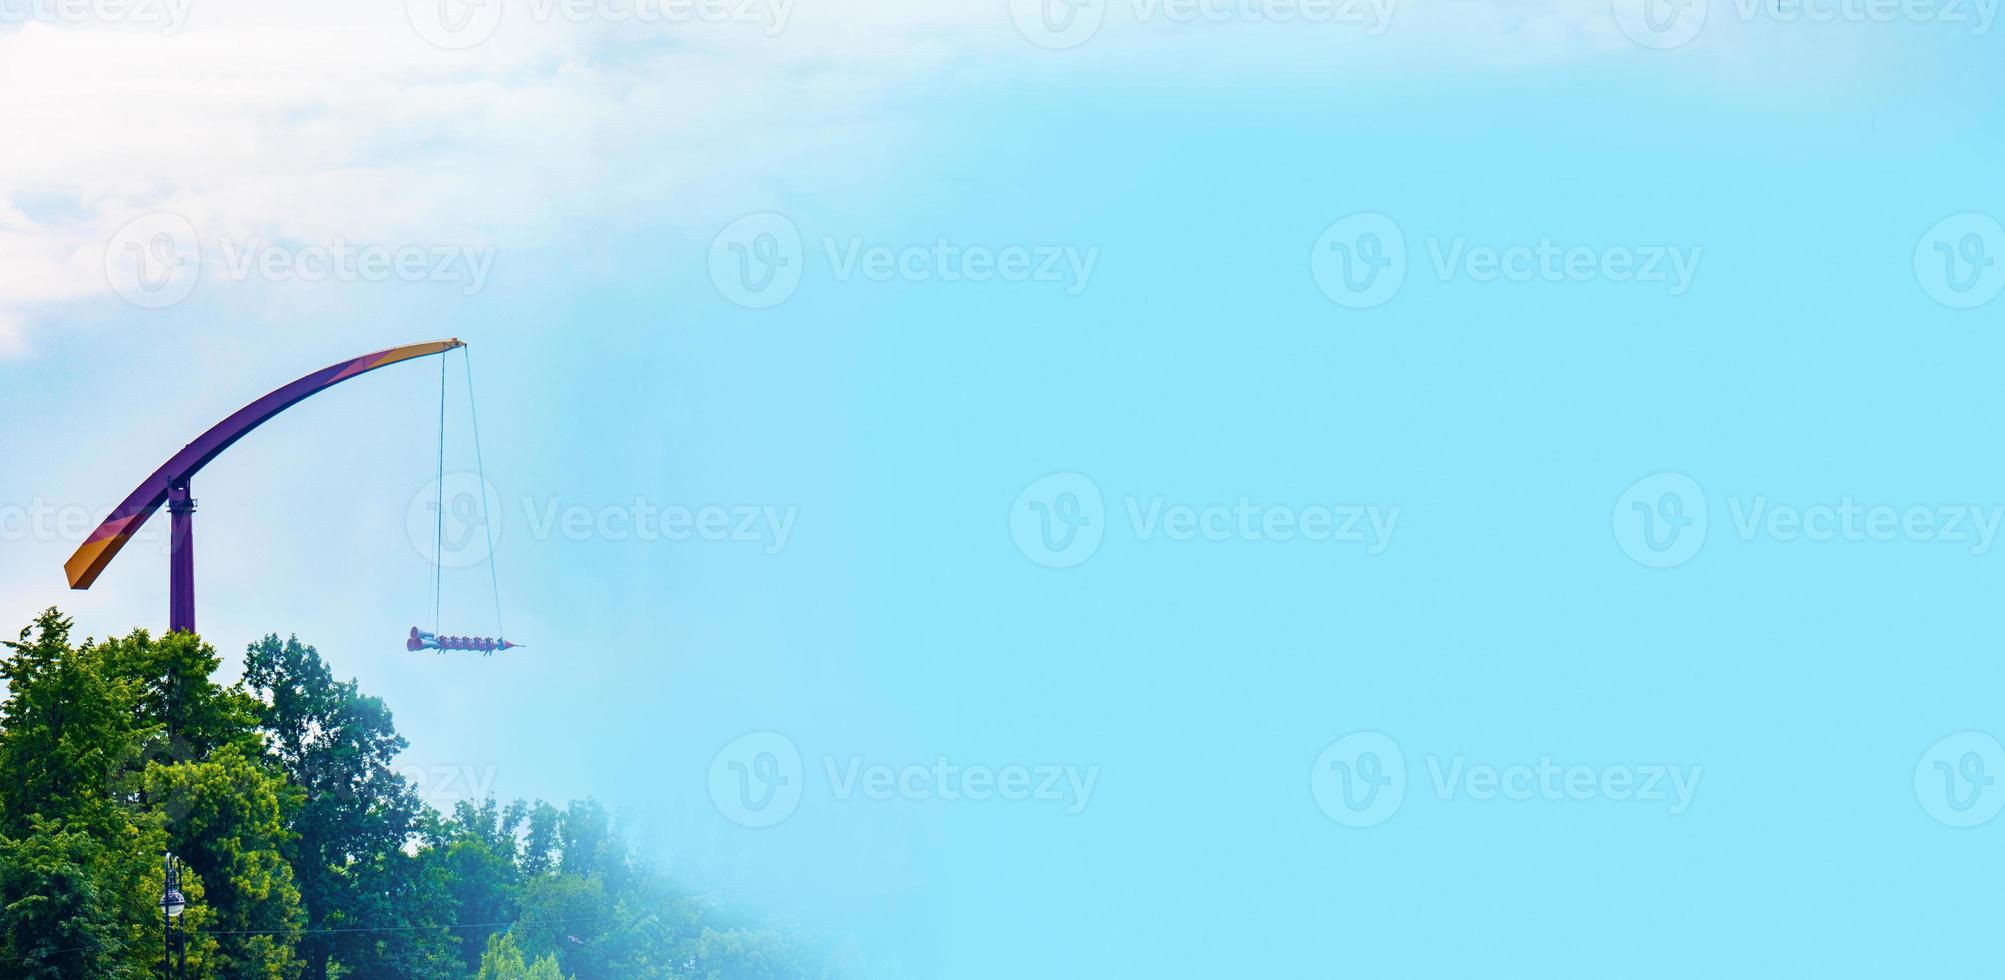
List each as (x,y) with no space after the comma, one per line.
(486,521)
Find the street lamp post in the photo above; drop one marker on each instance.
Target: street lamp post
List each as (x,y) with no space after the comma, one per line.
(171,906)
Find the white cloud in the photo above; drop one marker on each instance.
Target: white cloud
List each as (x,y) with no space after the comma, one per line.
(13,336)
(300,127)
(307,123)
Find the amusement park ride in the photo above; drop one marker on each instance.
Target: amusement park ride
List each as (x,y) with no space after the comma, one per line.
(169,485)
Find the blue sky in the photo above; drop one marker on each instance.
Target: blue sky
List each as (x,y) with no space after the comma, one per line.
(1493,591)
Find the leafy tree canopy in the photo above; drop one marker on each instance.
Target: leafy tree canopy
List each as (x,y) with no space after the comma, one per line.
(305,854)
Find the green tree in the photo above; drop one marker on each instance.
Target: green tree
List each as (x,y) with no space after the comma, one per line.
(174,688)
(204,779)
(477,850)
(63,912)
(371,907)
(591,844)
(79,863)
(70,729)
(539,848)
(503,960)
(556,907)
(229,822)
(304,852)
(745,954)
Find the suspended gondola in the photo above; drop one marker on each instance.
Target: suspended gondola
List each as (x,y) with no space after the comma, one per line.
(434,640)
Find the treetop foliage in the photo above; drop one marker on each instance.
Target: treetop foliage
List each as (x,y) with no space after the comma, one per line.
(305,854)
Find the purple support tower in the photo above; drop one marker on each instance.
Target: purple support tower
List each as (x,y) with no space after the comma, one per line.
(169,484)
(181,574)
